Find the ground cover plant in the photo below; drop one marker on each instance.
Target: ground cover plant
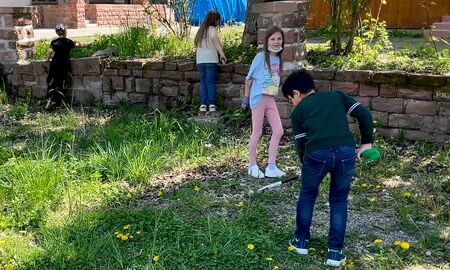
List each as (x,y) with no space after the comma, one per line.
(126,188)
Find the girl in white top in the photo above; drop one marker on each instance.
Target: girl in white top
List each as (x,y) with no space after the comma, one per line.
(208,47)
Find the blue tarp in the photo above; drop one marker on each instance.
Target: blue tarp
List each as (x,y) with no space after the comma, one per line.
(230,10)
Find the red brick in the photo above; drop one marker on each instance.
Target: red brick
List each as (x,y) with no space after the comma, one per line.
(365,101)
(421,107)
(322,85)
(387,104)
(380,117)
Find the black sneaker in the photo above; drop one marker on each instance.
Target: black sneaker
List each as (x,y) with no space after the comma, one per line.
(335,257)
(300,245)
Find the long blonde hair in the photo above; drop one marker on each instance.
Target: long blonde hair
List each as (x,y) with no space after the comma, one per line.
(211,19)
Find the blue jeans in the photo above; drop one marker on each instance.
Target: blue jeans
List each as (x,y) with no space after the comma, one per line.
(340,163)
(207,83)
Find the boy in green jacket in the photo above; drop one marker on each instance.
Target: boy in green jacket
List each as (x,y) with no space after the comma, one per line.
(325,145)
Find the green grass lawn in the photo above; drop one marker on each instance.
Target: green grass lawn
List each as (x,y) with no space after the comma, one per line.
(124,188)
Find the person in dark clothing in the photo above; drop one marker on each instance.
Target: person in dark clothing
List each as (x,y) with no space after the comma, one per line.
(325,145)
(58,76)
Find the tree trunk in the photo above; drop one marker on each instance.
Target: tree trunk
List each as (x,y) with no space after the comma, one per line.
(250,34)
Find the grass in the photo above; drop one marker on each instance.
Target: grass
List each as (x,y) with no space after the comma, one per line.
(72,181)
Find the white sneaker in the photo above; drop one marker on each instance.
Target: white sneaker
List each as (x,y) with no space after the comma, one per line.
(253,170)
(274,172)
(212,108)
(202,108)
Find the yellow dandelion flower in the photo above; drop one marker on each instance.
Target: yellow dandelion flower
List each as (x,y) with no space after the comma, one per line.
(156,258)
(2,242)
(407,194)
(350,262)
(344,264)
(269,259)
(378,186)
(124,237)
(196,188)
(404,245)
(311,249)
(119,235)
(397,243)
(129,196)
(159,194)
(116,233)
(276,267)
(250,247)
(9,267)
(364,185)
(241,204)
(126,227)
(373,200)
(291,248)
(378,241)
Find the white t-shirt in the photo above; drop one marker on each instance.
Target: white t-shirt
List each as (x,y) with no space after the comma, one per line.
(206,52)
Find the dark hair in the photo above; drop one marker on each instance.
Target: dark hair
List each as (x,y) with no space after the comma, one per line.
(211,19)
(270,32)
(60,30)
(300,80)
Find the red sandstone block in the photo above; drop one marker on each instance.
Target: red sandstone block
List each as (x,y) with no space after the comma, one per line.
(347,87)
(388,90)
(366,90)
(387,104)
(415,94)
(421,107)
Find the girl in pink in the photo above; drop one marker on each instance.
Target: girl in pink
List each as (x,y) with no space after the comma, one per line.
(261,87)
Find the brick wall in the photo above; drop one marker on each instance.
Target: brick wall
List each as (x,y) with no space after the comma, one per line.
(71,14)
(117,15)
(414,105)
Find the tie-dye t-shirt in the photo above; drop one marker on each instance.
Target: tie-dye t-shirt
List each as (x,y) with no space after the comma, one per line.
(263,82)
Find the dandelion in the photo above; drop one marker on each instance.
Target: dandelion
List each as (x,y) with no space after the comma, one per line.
(311,250)
(269,259)
(9,267)
(119,235)
(378,241)
(156,258)
(378,187)
(196,188)
(129,196)
(241,204)
(344,264)
(372,200)
(364,185)
(159,194)
(276,267)
(124,238)
(2,242)
(126,227)
(250,247)
(404,245)
(397,243)
(407,194)
(350,262)
(291,248)
(116,233)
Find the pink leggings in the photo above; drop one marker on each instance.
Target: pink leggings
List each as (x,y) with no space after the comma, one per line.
(267,108)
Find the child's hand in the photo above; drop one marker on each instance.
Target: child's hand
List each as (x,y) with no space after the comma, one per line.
(244,103)
(223,59)
(363,148)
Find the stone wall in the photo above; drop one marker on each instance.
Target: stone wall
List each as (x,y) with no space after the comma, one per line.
(416,106)
(16,33)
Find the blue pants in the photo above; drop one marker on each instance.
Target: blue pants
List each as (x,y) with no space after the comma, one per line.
(340,163)
(207,83)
